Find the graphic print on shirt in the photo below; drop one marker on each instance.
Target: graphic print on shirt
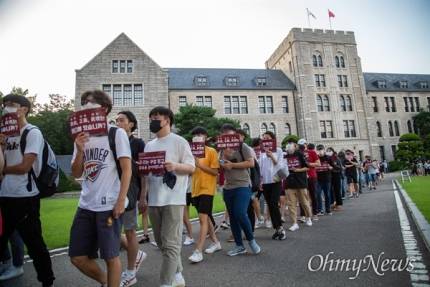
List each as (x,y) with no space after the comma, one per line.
(12,145)
(94,162)
(293,162)
(325,166)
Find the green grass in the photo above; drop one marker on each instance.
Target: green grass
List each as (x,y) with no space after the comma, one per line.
(419,191)
(57,216)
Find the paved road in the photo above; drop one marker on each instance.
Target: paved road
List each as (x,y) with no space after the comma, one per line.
(368,225)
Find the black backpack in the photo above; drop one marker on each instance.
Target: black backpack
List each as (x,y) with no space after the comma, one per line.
(134,188)
(254,174)
(48,179)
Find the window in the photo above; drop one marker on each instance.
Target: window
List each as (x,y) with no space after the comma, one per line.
(201,81)
(199,101)
(375,104)
(410,129)
(345,81)
(265,104)
(122,66)
(261,81)
(243,105)
(348,103)
(227,105)
(424,85)
(314,61)
(117,95)
(411,102)
(263,128)
(417,103)
(382,84)
(287,129)
(390,104)
(319,80)
(346,129)
(128,95)
(235,105)
(393,105)
(342,62)
(337,62)
(129,66)
(231,81)
(246,129)
(339,80)
(272,128)
(379,129)
(107,89)
(406,104)
(403,84)
(208,101)
(285,108)
(326,103)
(319,103)
(396,128)
(138,95)
(115,66)
(382,152)
(415,127)
(322,80)
(349,129)
(428,103)
(326,129)
(390,128)
(352,129)
(342,103)
(320,62)
(393,150)
(182,101)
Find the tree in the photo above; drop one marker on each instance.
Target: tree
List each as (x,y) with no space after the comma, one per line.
(422,122)
(410,148)
(288,139)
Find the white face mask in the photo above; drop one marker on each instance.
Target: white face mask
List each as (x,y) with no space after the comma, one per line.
(329,153)
(198,139)
(90,106)
(290,148)
(9,110)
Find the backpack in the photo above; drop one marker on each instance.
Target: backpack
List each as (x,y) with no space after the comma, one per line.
(254,174)
(134,188)
(49,176)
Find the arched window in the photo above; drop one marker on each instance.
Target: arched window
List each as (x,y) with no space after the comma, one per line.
(287,129)
(342,62)
(263,128)
(314,61)
(390,128)
(272,128)
(326,103)
(379,129)
(246,129)
(336,60)
(396,128)
(320,62)
(348,103)
(415,127)
(319,103)
(342,103)
(410,129)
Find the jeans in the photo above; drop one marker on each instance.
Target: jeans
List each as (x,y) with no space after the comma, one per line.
(324,187)
(17,250)
(237,202)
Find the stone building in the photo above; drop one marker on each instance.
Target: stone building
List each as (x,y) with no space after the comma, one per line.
(313,86)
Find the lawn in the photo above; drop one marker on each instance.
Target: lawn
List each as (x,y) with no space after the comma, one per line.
(57,216)
(419,191)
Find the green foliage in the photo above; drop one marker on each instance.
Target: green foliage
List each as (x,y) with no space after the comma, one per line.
(422,122)
(289,138)
(67,184)
(410,148)
(409,137)
(396,165)
(191,116)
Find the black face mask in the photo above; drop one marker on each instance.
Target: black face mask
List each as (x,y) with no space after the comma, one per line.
(169,179)
(155,126)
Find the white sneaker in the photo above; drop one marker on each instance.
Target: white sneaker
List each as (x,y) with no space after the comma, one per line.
(128,279)
(268,224)
(179,280)
(302,219)
(139,259)
(294,227)
(196,257)
(309,221)
(188,241)
(12,272)
(214,247)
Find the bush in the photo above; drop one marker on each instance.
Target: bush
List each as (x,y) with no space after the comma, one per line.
(409,138)
(67,184)
(289,138)
(396,165)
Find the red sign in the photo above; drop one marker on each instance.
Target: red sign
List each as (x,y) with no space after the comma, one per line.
(268,145)
(9,125)
(229,141)
(92,121)
(198,149)
(152,162)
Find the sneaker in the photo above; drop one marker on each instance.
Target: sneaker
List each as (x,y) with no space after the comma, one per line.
(283,219)
(282,234)
(275,235)
(255,248)
(294,227)
(268,224)
(329,213)
(315,218)
(188,241)
(144,239)
(214,247)
(259,223)
(12,272)
(302,219)
(128,279)
(154,243)
(196,257)
(139,259)
(4,266)
(320,213)
(237,251)
(224,225)
(216,228)
(179,280)
(308,221)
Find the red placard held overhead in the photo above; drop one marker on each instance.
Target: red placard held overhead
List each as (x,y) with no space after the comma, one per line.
(198,149)
(9,125)
(268,145)
(228,141)
(152,162)
(91,121)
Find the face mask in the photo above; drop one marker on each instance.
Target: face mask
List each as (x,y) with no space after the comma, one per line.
(198,139)
(9,110)
(90,105)
(329,153)
(155,126)
(290,149)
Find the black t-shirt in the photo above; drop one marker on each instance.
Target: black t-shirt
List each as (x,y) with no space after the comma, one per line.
(137,146)
(296,179)
(351,171)
(323,171)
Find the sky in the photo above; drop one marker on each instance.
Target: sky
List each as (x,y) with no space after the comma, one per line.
(42,42)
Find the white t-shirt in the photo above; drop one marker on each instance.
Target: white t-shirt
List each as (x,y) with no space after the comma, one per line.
(101,185)
(178,151)
(15,185)
(267,169)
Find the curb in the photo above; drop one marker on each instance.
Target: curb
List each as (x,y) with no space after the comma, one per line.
(423,225)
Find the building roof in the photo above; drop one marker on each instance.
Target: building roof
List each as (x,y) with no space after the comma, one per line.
(392,82)
(217,79)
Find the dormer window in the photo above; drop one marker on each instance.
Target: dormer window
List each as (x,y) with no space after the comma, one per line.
(201,81)
(424,85)
(382,84)
(403,84)
(231,81)
(261,81)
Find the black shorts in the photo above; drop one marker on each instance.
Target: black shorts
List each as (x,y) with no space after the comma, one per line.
(189,199)
(92,231)
(204,203)
(351,179)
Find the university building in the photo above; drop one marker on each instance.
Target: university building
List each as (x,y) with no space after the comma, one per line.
(313,86)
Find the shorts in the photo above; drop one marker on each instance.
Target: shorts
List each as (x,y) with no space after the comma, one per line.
(129,219)
(351,179)
(189,199)
(203,203)
(372,177)
(94,231)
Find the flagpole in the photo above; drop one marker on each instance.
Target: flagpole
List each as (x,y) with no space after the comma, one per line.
(309,22)
(329,20)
